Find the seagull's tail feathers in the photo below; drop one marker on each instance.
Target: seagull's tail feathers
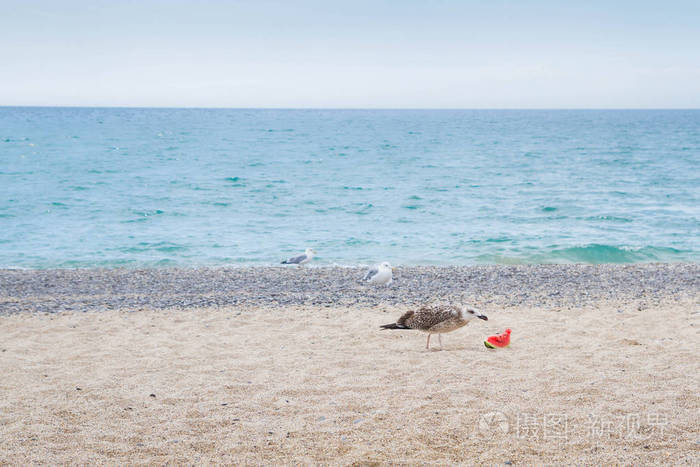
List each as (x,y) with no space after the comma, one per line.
(393,326)
(401,323)
(285,262)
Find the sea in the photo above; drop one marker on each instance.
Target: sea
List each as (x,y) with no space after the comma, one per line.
(143,188)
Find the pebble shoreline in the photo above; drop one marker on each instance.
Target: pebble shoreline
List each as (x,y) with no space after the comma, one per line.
(548,286)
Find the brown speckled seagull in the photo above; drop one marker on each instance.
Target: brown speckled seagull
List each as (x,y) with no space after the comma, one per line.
(436,319)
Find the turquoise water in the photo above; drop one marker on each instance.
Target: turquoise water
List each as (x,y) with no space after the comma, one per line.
(84,187)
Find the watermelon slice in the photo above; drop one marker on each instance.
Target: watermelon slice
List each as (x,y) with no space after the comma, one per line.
(501,340)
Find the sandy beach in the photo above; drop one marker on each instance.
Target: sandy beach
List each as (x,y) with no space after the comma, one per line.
(276,366)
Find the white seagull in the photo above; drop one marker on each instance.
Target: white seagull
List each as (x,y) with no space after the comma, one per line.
(436,319)
(381,274)
(301,259)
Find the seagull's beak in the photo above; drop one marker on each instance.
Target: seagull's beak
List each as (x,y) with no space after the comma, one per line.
(484,317)
(393,269)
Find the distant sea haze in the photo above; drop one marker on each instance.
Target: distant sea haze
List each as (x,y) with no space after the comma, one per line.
(97,187)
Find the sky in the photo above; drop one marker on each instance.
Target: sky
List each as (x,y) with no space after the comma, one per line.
(351,54)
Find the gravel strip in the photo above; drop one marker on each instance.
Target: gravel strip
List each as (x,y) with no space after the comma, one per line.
(549,286)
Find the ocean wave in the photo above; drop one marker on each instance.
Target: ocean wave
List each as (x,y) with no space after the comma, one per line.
(352,241)
(595,253)
(607,218)
(592,254)
(148,213)
(163,247)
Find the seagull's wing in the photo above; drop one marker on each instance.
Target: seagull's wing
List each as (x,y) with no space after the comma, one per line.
(428,316)
(295,260)
(371,273)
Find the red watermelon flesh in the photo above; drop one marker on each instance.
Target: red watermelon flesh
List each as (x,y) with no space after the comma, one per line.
(501,340)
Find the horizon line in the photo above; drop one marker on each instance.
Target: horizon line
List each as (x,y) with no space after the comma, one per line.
(146,107)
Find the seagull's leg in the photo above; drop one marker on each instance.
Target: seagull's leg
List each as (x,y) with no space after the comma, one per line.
(440,340)
(427,344)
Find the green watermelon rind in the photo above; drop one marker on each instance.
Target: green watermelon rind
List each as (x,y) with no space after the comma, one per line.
(491,346)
